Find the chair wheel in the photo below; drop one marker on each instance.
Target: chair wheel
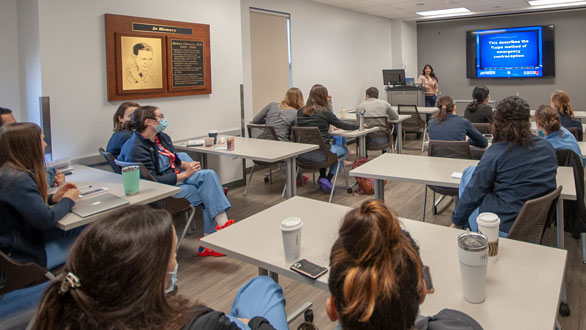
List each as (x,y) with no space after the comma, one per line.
(434,209)
(349,190)
(564,309)
(266,179)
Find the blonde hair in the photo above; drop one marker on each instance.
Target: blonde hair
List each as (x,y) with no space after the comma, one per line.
(561,100)
(293,99)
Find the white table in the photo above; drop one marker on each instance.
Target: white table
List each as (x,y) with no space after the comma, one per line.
(260,150)
(582,147)
(516,298)
(421,110)
(399,123)
(360,135)
(82,176)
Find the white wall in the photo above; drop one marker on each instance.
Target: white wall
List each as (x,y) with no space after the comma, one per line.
(73,62)
(404,44)
(9,77)
(343,50)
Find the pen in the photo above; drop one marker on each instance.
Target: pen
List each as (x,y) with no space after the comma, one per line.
(85,187)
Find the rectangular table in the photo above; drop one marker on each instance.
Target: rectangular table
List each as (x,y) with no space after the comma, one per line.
(268,151)
(360,135)
(582,148)
(399,123)
(516,298)
(83,176)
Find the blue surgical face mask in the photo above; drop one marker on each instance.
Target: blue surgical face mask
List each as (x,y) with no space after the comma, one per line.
(173,280)
(540,133)
(162,125)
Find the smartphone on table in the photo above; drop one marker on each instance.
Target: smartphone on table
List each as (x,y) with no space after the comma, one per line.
(309,269)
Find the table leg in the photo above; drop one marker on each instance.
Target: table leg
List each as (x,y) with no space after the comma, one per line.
(399,137)
(291,189)
(379,189)
(560,223)
(204,160)
(362,152)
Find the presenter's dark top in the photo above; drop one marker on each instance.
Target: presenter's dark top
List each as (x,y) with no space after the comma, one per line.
(139,149)
(25,216)
(482,114)
(456,128)
(117,140)
(322,119)
(506,178)
(568,122)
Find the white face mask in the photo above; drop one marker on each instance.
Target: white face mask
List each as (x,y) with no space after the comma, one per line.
(173,280)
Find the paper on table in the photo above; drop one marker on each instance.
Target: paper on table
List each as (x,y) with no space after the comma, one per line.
(457,175)
(221,148)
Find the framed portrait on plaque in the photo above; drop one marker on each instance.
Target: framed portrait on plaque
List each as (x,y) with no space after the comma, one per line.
(141,64)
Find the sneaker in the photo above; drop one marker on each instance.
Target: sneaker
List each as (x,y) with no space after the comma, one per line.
(228,223)
(304,179)
(205,252)
(325,185)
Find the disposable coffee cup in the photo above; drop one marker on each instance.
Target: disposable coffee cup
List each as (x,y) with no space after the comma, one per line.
(291,230)
(130,179)
(488,224)
(209,142)
(213,134)
(473,255)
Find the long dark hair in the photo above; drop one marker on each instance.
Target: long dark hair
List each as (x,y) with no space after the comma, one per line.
(431,74)
(120,114)
(511,122)
(317,100)
(121,262)
(445,104)
(141,114)
(479,94)
(21,148)
(375,277)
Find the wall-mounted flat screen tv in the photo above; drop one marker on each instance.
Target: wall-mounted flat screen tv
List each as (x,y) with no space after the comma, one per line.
(518,52)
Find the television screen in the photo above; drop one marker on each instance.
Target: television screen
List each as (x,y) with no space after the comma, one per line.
(520,52)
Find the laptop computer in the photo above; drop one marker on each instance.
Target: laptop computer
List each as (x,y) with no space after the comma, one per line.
(92,205)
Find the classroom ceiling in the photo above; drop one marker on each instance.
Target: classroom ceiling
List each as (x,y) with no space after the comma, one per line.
(406,9)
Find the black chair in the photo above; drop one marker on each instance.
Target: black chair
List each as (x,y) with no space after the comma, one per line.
(316,159)
(110,159)
(483,128)
(575,132)
(381,139)
(415,124)
(446,149)
(264,132)
(174,205)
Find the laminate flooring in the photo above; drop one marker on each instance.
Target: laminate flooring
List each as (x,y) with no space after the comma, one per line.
(215,281)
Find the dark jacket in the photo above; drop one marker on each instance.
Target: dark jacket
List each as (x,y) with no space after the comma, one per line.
(482,113)
(25,216)
(322,119)
(117,140)
(139,149)
(568,122)
(455,128)
(447,319)
(505,179)
(574,211)
(208,319)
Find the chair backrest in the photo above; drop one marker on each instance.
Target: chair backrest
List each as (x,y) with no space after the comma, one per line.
(15,276)
(413,123)
(315,159)
(381,139)
(529,225)
(144,173)
(264,132)
(110,159)
(574,130)
(483,128)
(449,149)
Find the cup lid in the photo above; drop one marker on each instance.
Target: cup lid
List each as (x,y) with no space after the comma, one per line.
(470,241)
(213,131)
(488,219)
(130,168)
(292,223)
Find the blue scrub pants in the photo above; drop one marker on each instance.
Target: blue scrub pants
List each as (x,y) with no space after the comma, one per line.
(466,177)
(58,243)
(261,296)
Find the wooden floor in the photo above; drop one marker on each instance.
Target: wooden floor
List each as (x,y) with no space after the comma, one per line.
(215,281)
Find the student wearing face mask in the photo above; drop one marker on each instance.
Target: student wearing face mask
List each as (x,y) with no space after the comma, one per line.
(154,149)
(122,127)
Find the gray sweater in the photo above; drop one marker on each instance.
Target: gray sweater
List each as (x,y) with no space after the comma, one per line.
(280,119)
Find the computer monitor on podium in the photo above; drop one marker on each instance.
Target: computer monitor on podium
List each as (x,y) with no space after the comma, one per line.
(394,77)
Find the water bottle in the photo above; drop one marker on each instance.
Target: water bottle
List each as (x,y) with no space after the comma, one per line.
(361,122)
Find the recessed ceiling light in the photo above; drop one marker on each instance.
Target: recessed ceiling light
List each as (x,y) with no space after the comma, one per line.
(551,2)
(444,12)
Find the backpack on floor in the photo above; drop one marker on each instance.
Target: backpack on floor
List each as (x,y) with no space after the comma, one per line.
(365,186)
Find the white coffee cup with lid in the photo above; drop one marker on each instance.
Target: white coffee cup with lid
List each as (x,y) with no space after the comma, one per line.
(489,224)
(291,230)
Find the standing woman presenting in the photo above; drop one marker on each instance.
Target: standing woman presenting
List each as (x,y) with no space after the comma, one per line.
(428,80)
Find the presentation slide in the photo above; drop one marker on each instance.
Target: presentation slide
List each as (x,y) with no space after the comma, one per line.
(515,52)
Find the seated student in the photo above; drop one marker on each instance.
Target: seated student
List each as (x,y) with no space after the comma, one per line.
(154,149)
(549,126)
(122,127)
(478,111)
(118,273)
(517,167)
(373,107)
(450,127)
(28,230)
(560,101)
(6,117)
(282,115)
(318,113)
(376,280)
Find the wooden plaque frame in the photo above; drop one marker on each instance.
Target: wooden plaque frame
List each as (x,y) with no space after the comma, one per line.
(118,26)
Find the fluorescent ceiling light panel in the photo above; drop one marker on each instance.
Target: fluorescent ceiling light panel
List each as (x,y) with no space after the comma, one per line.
(551,2)
(444,12)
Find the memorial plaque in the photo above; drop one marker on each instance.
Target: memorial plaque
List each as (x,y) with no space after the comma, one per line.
(187,64)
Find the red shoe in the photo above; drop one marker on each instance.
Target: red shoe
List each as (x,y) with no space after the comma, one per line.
(228,223)
(205,252)
(304,179)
